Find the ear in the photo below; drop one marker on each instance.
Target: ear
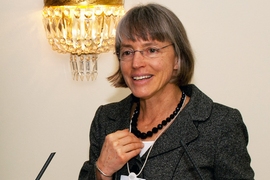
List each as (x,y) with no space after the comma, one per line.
(176,63)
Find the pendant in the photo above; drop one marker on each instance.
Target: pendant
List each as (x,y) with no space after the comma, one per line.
(132,176)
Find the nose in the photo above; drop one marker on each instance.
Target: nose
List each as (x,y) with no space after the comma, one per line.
(138,59)
(140,51)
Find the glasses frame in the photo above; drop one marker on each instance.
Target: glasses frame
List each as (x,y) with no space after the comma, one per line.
(142,51)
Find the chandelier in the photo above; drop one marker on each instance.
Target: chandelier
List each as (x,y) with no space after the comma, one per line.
(83,28)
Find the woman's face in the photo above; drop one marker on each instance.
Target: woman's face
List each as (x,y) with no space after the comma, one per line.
(148,76)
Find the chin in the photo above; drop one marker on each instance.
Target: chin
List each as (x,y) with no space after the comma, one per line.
(141,95)
(141,92)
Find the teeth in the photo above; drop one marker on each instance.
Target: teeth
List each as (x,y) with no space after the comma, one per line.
(141,77)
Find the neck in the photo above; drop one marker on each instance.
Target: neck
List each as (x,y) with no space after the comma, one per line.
(160,106)
(149,128)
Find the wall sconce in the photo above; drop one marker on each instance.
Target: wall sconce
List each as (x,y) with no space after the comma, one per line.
(83,28)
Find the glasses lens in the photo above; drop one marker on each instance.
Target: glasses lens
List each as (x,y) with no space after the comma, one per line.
(151,52)
(126,54)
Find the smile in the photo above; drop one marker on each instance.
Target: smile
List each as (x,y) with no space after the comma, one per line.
(141,77)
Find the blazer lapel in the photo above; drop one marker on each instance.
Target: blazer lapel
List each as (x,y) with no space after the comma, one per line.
(182,128)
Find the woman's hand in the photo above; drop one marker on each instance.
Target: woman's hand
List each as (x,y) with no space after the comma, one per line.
(118,148)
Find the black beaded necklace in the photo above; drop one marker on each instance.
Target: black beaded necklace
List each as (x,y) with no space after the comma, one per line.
(144,135)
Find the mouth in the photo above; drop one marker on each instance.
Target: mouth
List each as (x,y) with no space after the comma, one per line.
(137,78)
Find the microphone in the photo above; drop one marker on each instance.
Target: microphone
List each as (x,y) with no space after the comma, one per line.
(190,158)
(45,166)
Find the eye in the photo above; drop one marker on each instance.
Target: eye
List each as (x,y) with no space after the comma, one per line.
(151,50)
(126,53)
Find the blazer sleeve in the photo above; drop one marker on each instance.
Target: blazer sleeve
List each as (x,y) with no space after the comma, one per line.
(232,160)
(87,171)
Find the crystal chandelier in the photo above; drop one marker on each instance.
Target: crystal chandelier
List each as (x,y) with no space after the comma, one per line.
(83,28)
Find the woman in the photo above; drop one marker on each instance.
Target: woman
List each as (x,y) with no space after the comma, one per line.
(167,128)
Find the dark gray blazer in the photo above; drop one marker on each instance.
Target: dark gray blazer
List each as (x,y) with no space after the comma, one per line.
(215,136)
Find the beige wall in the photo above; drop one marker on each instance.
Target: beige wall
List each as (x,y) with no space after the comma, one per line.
(42,110)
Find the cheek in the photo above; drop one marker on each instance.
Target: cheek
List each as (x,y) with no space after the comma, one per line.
(125,69)
(170,64)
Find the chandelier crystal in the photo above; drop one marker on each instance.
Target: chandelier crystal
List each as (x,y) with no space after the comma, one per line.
(83,28)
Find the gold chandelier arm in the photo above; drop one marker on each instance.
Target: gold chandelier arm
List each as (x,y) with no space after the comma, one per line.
(82,2)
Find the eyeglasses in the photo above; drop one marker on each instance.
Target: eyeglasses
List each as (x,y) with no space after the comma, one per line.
(150,52)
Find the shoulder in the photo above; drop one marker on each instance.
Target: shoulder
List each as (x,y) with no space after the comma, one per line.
(214,119)
(221,111)
(201,107)
(217,118)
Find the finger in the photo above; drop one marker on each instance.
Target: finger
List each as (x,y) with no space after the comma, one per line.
(129,138)
(132,147)
(117,135)
(132,154)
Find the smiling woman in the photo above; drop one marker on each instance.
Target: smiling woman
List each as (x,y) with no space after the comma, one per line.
(186,134)
(164,26)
